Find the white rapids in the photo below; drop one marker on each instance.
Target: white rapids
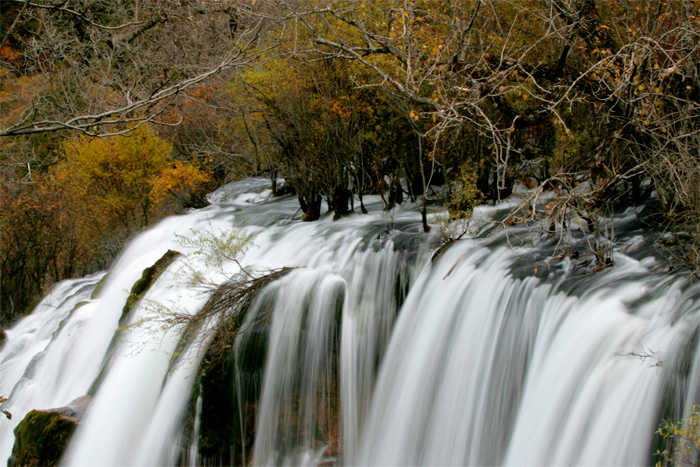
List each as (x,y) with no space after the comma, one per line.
(380,351)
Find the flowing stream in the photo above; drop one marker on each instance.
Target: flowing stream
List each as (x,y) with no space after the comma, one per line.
(379,347)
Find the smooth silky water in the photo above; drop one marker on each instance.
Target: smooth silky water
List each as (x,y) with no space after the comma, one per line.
(381,349)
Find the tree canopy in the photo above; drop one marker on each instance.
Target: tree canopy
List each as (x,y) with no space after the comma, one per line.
(595,102)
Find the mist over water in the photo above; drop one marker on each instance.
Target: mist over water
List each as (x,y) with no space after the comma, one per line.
(379,349)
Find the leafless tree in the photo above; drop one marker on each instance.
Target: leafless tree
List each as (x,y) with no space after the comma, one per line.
(105,66)
(596,96)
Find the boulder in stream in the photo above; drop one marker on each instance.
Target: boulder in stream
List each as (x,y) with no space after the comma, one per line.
(42,437)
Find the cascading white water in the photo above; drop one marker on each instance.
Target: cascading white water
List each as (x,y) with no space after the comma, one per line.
(377,351)
(487,369)
(124,425)
(32,360)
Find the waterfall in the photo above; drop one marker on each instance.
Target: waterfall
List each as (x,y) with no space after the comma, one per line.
(484,368)
(377,348)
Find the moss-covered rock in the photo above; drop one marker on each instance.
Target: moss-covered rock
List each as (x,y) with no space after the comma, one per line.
(100,284)
(226,394)
(42,437)
(147,279)
(230,390)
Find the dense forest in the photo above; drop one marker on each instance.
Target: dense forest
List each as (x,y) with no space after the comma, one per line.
(115,113)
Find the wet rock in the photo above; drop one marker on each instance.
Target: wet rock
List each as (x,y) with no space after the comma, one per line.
(42,437)
(147,279)
(230,394)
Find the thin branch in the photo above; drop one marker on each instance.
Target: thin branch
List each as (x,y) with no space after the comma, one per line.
(7,35)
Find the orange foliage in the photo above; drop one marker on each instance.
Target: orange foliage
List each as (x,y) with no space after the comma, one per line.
(80,214)
(179,183)
(110,187)
(110,178)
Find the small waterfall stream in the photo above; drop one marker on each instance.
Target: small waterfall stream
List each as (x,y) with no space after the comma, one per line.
(377,349)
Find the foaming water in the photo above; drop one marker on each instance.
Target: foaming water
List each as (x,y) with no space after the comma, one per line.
(485,369)
(377,350)
(34,361)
